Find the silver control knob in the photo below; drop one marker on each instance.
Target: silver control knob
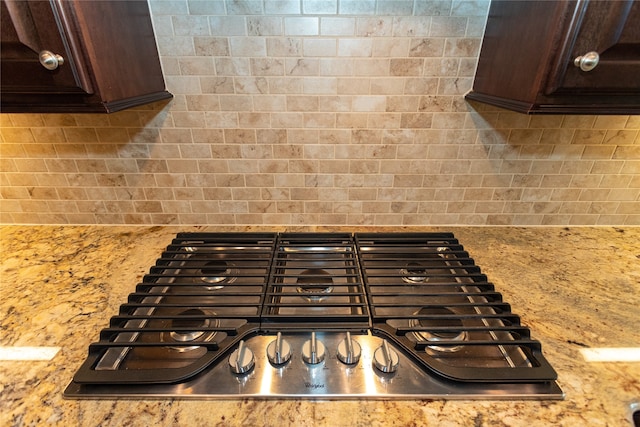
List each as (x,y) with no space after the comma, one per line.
(313,351)
(279,350)
(241,361)
(349,350)
(385,358)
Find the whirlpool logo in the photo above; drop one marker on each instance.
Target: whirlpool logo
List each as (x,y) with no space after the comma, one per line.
(313,386)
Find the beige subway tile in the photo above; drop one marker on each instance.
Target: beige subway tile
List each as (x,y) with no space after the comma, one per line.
(231,67)
(538,151)
(476,194)
(303,136)
(245,194)
(271,136)
(320,85)
(390,47)
(610,122)
(391,194)
(416,120)
(389,219)
(302,66)
(426,47)
(283,152)
(457,207)
(232,206)
(595,194)
(17,135)
(442,67)
(254,120)
(230,180)
(621,137)
(355,47)
(302,103)
(404,207)
(19,180)
(411,26)
(353,86)
(448,120)
(405,136)
(406,66)
(68,120)
(384,120)
(172,180)
(627,152)
(467,67)
(374,26)
(624,194)
(448,26)
(333,166)
(628,207)
(351,120)
(9,150)
(319,152)
(329,25)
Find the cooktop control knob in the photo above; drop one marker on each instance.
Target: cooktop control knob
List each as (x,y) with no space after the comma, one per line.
(313,350)
(279,350)
(385,358)
(241,361)
(349,350)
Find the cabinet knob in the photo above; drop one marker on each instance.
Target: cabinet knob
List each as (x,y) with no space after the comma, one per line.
(588,61)
(50,60)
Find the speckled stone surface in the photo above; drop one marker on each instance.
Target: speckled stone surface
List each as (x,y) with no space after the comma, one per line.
(574,287)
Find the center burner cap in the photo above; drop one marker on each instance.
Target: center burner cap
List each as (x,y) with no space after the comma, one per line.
(195,335)
(315,284)
(217,272)
(414,273)
(454,331)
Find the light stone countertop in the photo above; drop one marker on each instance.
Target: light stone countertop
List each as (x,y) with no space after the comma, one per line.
(574,287)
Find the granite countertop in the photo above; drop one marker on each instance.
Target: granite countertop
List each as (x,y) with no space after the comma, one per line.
(576,288)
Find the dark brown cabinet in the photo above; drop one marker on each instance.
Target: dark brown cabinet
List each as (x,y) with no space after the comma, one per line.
(569,57)
(78,56)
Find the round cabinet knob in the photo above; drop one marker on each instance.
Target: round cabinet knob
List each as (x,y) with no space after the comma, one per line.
(50,60)
(279,350)
(241,361)
(385,358)
(349,351)
(588,61)
(313,351)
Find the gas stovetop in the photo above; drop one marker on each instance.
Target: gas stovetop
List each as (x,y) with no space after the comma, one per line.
(315,315)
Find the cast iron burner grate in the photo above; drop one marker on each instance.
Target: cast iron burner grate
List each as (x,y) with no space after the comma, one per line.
(427,295)
(315,283)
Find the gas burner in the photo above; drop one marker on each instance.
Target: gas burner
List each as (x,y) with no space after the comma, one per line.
(314,284)
(434,336)
(183,336)
(218,273)
(414,272)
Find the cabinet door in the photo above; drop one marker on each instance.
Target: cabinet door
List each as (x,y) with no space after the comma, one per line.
(612,30)
(29,28)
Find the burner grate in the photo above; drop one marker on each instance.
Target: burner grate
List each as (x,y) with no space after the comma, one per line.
(315,284)
(426,295)
(204,294)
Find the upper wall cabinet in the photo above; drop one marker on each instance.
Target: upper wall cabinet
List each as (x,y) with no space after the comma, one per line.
(569,57)
(78,56)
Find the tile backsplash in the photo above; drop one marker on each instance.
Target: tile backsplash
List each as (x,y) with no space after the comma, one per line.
(310,112)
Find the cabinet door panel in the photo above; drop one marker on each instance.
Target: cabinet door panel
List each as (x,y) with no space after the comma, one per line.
(27,29)
(612,29)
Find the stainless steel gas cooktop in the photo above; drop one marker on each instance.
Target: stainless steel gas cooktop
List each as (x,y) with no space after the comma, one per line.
(315,315)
